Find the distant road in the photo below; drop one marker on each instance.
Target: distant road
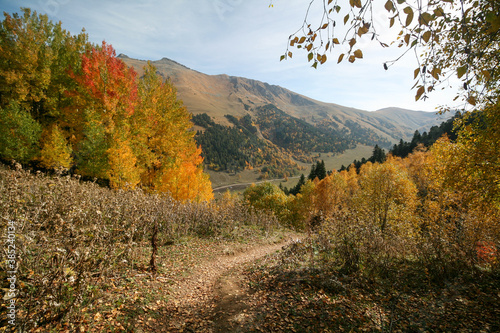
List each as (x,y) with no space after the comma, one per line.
(244,185)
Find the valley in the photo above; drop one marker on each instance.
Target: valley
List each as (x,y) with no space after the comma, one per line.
(252,131)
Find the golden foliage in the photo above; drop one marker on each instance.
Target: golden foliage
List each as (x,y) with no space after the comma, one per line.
(55,153)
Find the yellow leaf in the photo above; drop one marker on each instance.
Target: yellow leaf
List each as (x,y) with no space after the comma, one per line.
(425,19)
(409,12)
(420,92)
(426,36)
(407,39)
(361,31)
(389,5)
(340,58)
(471,100)
(335,41)
(461,71)
(435,73)
(358,53)
(352,59)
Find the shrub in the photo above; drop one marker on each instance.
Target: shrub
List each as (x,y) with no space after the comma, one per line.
(69,235)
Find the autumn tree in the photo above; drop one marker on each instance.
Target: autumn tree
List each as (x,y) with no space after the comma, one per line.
(386,197)
(458,213)
(164,142)
(55,152)
(331,194)
(19,133)
(106,90)
(266,196)
(35,55)
(99,118)
(449,37)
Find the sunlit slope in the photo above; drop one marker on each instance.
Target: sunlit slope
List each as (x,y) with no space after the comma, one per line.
(219,95)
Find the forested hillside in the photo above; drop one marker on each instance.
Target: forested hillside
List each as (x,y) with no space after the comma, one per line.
(68,104)
(297,136)
(220,95)
(238,147)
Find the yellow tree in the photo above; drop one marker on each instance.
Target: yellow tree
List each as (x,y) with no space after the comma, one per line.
(331,194)
(268,197)
(458,212)
(123,172)
(386,197)
(164,142)
(301,207)
(35,57)
(55,153)
(185,180)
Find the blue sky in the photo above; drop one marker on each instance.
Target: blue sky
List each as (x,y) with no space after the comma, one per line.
(239,38)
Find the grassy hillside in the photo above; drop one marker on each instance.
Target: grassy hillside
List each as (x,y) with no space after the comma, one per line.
(219,95)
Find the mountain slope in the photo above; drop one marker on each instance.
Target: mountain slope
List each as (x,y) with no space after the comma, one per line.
(218,95)
(419,120)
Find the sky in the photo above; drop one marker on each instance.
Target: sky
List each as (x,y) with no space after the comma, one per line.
(241,38)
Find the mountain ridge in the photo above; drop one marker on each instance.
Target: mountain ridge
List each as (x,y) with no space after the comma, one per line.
(223,94)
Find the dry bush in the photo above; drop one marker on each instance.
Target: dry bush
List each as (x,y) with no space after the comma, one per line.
(454,238)
(69,235)
(349,244)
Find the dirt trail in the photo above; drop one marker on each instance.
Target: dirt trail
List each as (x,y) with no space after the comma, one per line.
(211,298)
(231,308)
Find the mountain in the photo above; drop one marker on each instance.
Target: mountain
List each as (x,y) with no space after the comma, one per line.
(419,120)
(218,95)
(276,122)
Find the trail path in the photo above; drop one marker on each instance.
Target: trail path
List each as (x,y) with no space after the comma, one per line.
(210,299)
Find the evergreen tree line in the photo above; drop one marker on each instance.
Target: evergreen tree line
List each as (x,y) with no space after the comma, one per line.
(427,139)
(378,156)
(404,148)
(318,171)
(234,149)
